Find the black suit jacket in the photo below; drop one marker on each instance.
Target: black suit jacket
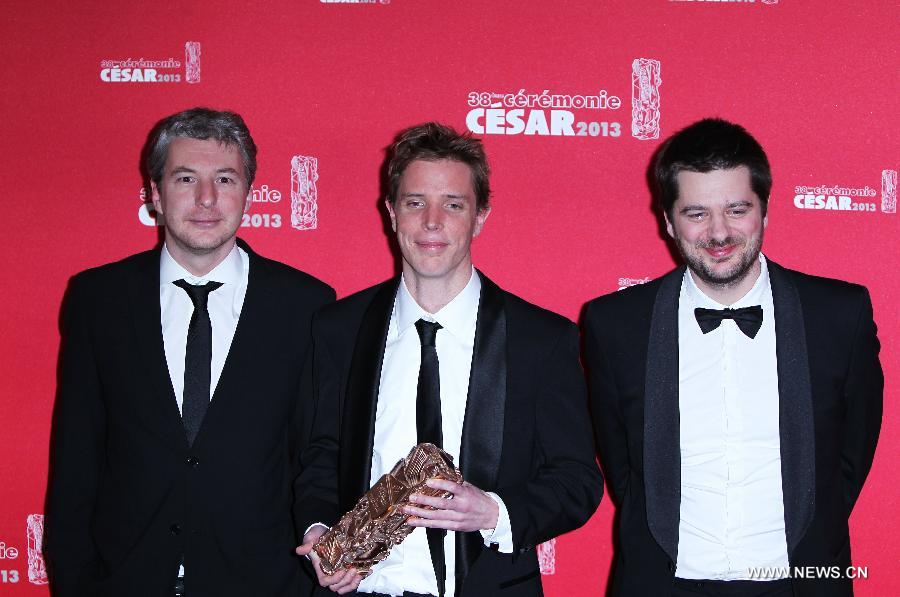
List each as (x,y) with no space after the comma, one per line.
(526,433)
(830,400)
(127,497)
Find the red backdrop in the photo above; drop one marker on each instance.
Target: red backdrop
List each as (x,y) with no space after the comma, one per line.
(570,121)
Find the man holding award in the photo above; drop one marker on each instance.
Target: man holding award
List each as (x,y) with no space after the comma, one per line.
(440,355)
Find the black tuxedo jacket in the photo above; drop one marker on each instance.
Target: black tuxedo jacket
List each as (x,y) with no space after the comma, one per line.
(127,497)
(526,433)
(830,387)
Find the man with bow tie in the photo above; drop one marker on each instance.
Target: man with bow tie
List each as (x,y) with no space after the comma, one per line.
(736,403)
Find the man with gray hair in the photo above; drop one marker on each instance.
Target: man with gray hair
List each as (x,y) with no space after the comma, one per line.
(179,402)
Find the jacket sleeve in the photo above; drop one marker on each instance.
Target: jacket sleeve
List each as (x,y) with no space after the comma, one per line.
(316,486)
(863,399)
(567,486)
(609,425)
(77,447)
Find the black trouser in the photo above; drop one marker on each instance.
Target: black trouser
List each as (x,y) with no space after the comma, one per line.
(732,588)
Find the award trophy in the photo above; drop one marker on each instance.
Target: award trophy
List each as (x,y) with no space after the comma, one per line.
(365,534)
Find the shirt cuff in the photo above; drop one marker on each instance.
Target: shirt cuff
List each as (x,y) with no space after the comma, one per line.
(316,524)
(502,533)
(310,527)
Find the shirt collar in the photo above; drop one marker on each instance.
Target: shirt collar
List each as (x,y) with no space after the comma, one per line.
(229,271)
(458,317)
(755,296)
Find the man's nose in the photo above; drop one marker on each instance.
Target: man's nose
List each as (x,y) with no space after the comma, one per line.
(718,227)
(434,217)
(206,193)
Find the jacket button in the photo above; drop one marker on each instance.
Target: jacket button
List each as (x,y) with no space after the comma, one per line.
(192,461)
(175,529)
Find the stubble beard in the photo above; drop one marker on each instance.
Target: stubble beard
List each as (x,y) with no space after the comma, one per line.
(202,246)
(731,277)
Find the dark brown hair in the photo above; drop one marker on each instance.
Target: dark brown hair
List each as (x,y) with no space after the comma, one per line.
(710,144)
(432,142)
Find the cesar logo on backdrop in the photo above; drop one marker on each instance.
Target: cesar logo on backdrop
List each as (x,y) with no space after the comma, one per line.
(9,555)
(34,531)
(141,70)
(846,198)
(624,283)
(546,554)
(304,194)
(550,113)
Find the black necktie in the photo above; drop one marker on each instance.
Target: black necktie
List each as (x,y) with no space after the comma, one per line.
(428,429)
(748,319)
(197,359)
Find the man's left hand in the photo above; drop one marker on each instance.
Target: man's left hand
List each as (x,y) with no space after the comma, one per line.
(467,509)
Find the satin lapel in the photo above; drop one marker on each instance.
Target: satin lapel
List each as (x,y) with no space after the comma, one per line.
(143,289)
(662,455)
(795,408)
(482,435)
(358,416)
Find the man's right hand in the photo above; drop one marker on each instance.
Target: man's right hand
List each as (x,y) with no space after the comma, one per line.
(342,581)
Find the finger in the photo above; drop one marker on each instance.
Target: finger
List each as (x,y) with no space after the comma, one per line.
(351,587)
(427,500)
(444,484)
(331,580)
(429,514)
(304,549)
(346,581)
(345,587)
(460,504)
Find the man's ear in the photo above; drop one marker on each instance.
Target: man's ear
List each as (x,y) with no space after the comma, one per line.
(154,196)
(480,218)
(391,213)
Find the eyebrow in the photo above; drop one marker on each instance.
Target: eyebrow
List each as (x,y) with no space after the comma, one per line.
(445,195)
(183,169)
(738,203)
(186,169)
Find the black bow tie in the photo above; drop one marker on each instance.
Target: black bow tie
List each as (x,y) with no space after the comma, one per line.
(748,319)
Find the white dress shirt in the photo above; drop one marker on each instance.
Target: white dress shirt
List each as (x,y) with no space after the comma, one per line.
(732,507)
(224,307)
(408,567)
